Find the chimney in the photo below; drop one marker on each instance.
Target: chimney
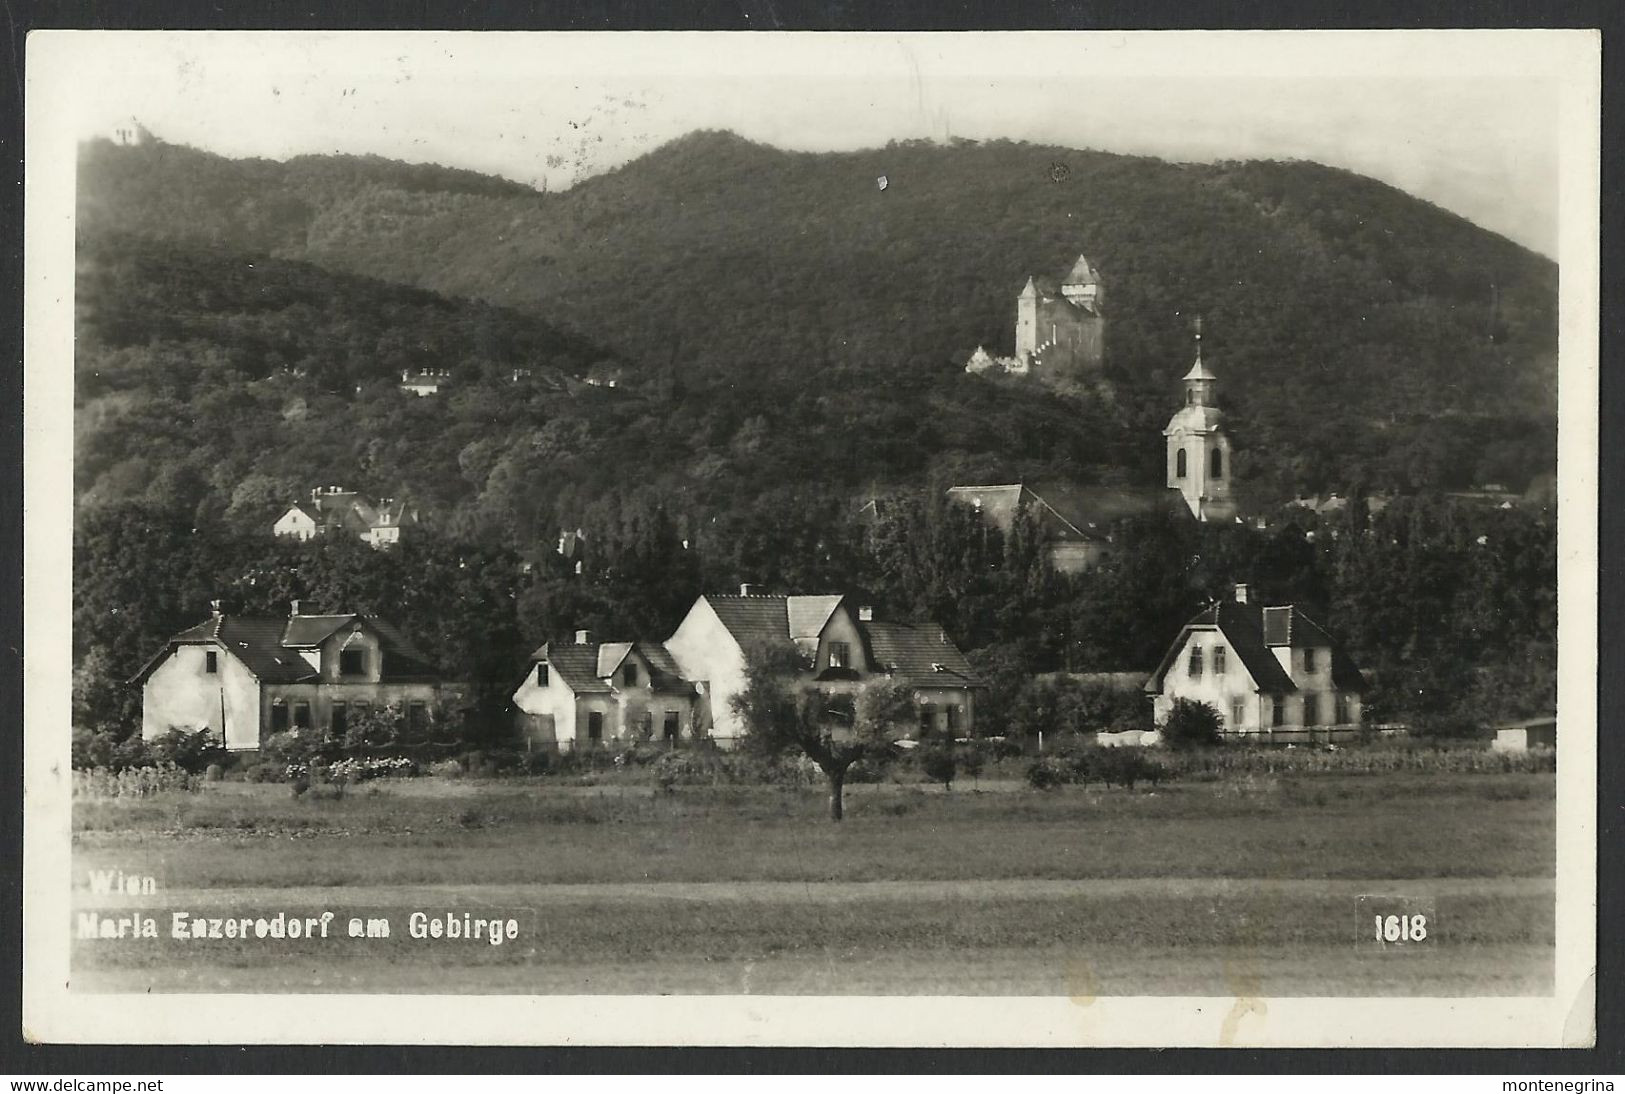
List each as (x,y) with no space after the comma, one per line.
(293,607)
(866,614)
(583,637)
(1241,593)
(747,589)
(214,606)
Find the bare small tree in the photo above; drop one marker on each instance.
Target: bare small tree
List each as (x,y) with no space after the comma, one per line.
(784,716)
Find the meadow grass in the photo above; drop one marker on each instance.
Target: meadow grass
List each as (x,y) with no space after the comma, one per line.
(493,832)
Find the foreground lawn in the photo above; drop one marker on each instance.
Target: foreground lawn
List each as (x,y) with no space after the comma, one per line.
(427,831)
(1217,888)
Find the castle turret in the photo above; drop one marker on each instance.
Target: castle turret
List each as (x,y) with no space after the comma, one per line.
(1198,450)
(1082,285)
(1027,321)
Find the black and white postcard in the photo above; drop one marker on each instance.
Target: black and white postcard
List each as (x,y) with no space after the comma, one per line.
(836,539)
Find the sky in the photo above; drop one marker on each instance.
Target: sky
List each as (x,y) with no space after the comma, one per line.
(1468,120)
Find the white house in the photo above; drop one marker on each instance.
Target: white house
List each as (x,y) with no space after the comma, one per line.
(582,694)
(1268,670)
(842,647)
(244,677)
(376,522)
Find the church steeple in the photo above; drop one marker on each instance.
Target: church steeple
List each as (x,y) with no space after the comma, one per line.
(1199,380)
(1198,450)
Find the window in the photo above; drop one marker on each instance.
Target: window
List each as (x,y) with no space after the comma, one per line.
(352,662)
(301,714)
(1218,463)
(1218,660)
(1195,668)
(840,655)
(1340,704)
(629,676)
(674,719)
(1277,711)
(341,719)
(279,715)
(1309,660)
(1311,710)
(595,725)
(928,717)
(211,662)
(541,675)
(417,715)
(1179,464)
(1238,712)
(953,716)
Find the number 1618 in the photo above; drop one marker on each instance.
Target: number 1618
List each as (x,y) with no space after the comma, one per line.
(1401,928)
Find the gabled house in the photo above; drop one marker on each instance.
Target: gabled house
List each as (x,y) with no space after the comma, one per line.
(582,694)
(1069,548)
(376,522)
(842,646)
(245,677)
(1266,669)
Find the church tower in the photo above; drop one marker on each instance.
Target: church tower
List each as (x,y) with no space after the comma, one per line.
(1198,450)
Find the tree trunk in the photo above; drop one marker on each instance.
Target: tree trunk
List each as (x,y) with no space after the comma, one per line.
(837,787)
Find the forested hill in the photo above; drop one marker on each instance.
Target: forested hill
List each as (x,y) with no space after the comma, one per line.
(1344,317)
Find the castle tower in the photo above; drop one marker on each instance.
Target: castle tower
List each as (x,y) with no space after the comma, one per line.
(1027,321)
(1198,450)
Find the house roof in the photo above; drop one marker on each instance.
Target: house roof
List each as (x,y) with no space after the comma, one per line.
(667,676)
(304,631)
(1082,273)
(808,614)
(999,505)
(918,654)
(576,664)
(610,656)
(753,620)
(262,643)
(1251,630)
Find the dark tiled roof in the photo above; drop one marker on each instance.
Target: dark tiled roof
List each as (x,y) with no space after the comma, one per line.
(911,652)
(261,642)
(1251,629)
(999,505)
(667,676)
(753,620)
(577,665)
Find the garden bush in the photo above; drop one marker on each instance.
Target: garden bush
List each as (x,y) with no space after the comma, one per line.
(134,782)
(446,769)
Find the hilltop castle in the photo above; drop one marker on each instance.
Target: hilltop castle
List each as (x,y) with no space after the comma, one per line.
(1060,329)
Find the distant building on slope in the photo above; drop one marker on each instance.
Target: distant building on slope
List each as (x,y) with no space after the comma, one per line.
(1069,548)
(425,381)
(131,132)
(1060,329)
(376,522)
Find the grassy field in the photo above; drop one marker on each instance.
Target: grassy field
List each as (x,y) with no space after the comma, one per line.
(1192,887)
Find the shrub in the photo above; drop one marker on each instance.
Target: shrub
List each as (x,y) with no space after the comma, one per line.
(291,748)
(939,764)
(1190,724)
(213,773)
(446,769)
(1048,772)
(92,748)
(190,750)
(971,760)
(264,773)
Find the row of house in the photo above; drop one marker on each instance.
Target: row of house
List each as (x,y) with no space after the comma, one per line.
(1268,669)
